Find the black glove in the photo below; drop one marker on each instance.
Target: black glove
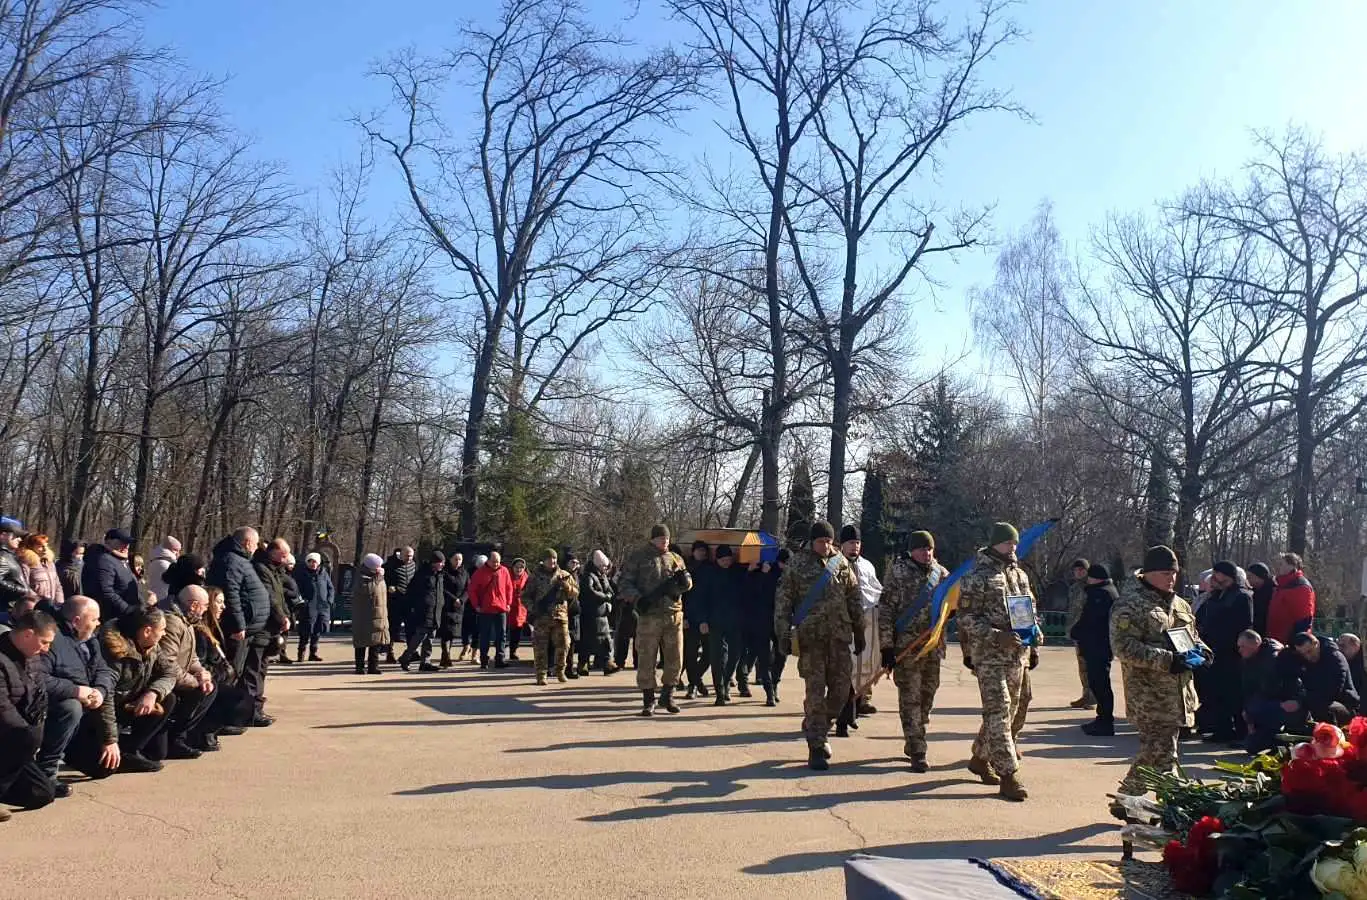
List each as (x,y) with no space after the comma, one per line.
(889,658)
(859,643)
(968,663)
(680,577)
(1034,658)
(1178,665)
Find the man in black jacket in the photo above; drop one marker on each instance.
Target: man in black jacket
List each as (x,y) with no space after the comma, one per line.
(425,597)
(1261,690)
(696,656)
(1316,683)
(1351,646)
(23,710)
(79,685)
(721,621)
(1227,613)
(246,614)
(399,570)
(14,590)
(1260,580)
(107,578)
(1092,636)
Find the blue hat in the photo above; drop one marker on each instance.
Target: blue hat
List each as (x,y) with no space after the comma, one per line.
(13,526)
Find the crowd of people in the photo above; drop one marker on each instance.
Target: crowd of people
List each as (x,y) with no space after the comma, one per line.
(108,666)
(111,667)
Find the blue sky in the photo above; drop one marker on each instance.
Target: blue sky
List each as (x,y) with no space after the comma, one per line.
(1133,101)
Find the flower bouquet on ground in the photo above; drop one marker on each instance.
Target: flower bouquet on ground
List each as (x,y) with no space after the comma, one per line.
(1286,825)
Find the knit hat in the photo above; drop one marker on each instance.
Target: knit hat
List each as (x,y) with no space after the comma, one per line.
(373,561)
(1099,572)
(821,530)
(480,560)
(1160,559)
(1003,533)
(437,556)
(1081,563)
(849,533)
(314,558)
(724,551)
(1228,569)
(549,553)
(660,531)
(1261,570)
(701,545)
(921,540)
(600,560)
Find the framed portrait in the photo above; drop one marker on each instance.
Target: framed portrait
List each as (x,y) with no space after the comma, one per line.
(1181,640)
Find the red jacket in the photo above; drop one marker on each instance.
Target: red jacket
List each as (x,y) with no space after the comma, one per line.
(517,616)
(1292,608)
(491,590)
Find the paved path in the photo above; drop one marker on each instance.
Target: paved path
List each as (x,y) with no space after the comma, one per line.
(483,785)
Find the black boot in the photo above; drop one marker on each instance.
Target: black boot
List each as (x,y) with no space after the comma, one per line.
(776,697)
(648,703)
(702,690)
(742,687)
(1099,728)
(770,697)
(817,760)
(446,659)
(373,661)
(360,661)
(299,656)
(667,701)
(692,692)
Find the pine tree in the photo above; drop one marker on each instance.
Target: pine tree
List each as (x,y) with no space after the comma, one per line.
(520,504)
(801,505)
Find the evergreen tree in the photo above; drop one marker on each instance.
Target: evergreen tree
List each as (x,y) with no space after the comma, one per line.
(520,505)
(801,505)
(872,522)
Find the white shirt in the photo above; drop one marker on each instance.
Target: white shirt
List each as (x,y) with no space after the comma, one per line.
(870,588)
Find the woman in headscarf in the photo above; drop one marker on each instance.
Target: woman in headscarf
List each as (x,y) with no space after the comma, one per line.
(595,614)
(369,615)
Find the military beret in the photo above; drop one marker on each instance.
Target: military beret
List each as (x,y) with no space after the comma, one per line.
(822,530)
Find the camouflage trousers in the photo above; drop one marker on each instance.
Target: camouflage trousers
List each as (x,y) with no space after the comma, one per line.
(917,681)
(1157,751)
(827,668)
(1000,688)
(549,635)
(1087,696)
(659,637)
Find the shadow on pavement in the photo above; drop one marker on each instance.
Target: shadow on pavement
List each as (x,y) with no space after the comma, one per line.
(1063,842)
(677,742)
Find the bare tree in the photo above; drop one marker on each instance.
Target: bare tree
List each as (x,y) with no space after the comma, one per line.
(1304,213)
(545,196)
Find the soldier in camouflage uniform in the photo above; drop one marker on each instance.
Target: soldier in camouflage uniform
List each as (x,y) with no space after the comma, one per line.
(1077,599)
(548,595)
(820,587)
(999,657)
(654,579)
(910,580)
(1160,690)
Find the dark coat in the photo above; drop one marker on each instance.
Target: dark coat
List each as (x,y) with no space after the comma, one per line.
(595,603)
(1355,668)
(23,701)
(63,670)
(109,581)
(695,601)
(69,569)
(1222,618)
(1262,602)
(13,588)
(273,578)
(1092,633)
(315,590)
(725,592)
(454,591)
(182,573)
(397,575)
(426,594)
(1316,685)
(135,672)
(1259,674)
(246,601)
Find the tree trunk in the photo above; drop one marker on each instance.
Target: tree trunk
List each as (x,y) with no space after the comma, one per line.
(1302,476)
(90,410)
(144,470)
(474,430)
(742,486)
(842,387)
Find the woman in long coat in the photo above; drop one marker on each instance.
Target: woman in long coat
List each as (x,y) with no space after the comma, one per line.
(369,615)
(595,616)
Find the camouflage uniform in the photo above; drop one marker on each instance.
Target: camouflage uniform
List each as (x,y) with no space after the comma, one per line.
(999,657)
(550,626)
(1161,703)
(917,676)
(659,629)
(823,637)
(1077,599)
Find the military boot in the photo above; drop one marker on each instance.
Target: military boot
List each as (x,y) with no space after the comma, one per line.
(667,701)
(648,703)
(540,678)
(1012,788)
(691,693)
(919,764)
(742,687)
(817,759)
(770,697)
(983,770)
